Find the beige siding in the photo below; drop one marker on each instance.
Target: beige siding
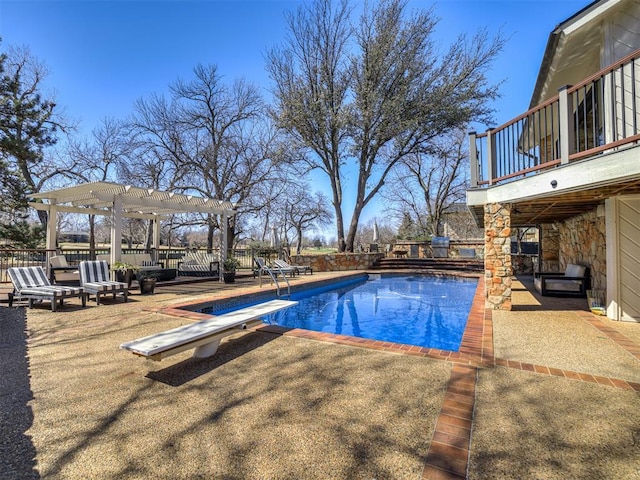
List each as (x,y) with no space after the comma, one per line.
(629,259)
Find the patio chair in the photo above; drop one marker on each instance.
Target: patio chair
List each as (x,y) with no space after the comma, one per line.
(200,264)
(31,283)
(62,273)
(94,278)
(296,268)
(574,282)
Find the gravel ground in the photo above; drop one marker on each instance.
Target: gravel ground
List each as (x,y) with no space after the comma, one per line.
(532,426)
(561,340)
(549,331)
(74,406)
(264,406)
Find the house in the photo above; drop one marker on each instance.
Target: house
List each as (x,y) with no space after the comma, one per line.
(571,164)
(459,224)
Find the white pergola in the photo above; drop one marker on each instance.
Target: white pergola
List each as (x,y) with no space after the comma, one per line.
(119,201)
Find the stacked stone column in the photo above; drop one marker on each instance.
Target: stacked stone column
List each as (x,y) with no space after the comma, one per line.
(497,256)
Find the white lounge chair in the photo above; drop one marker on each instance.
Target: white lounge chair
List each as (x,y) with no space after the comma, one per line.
(31,283)
(204,336)
(273,270)
(94,278)
(297,268)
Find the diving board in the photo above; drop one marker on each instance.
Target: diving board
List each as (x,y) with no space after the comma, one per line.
(205,335)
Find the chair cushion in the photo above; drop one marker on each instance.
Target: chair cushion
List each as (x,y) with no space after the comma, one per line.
(104,286)
(574,270)
(563,285)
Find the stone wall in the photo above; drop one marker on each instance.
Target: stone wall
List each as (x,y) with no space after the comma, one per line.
(457,248)
(550,247)
(497,256)
(583,241)
(522,264)
(337,261)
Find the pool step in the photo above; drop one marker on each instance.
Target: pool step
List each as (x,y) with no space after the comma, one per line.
(465,265)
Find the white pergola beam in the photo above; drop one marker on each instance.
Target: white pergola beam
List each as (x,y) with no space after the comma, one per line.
(93,211)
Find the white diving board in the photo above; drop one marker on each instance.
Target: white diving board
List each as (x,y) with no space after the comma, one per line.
(204,335)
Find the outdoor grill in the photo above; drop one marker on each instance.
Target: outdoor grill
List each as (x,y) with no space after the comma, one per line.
(440,247)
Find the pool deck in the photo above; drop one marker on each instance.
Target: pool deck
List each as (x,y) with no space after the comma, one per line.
(547,390)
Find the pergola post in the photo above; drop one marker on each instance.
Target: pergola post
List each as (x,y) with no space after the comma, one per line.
(52,220)
(224,242)
(52,227)
(116,229)
(155,240)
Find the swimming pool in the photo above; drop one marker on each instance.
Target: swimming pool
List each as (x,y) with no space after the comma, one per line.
(419,310)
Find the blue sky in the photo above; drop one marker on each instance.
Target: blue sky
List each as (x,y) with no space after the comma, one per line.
(103,55)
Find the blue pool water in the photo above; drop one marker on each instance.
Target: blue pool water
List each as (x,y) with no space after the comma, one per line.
(415,310)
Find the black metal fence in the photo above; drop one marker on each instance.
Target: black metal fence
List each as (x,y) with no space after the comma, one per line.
(11,257)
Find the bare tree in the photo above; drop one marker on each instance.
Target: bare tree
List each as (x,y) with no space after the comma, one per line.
(305,210)
(215,136)
(429,181)
(378,100)
(98,158)
(311,78)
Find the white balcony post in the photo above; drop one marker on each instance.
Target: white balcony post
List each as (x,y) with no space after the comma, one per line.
(567,124)
(473,159)
(491,157)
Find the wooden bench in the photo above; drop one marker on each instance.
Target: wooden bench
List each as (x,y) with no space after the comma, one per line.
(205,335)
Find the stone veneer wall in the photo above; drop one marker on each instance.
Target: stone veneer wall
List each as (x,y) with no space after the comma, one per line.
(583,241)
(550,246)
(455,247)
(497,256)
(337,261)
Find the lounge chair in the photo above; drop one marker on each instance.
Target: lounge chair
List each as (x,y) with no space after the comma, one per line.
(297,268)
(573,283)
(31,283)
(199,264)
(62,273)
(94,278)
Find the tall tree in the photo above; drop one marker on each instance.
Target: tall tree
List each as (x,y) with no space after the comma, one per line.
(373,93)
(311,78)
(215,136)
(28,124)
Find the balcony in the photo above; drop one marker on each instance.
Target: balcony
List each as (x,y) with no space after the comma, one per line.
(569,152)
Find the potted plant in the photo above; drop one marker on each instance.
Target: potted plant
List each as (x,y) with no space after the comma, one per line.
(229,267)
(147,280)
(124,272)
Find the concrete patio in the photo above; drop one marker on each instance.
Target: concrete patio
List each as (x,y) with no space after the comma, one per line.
(553,393)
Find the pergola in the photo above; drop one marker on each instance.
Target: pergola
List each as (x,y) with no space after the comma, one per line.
(119,201)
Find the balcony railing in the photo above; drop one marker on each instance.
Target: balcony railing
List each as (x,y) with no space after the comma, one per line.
(599,114)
